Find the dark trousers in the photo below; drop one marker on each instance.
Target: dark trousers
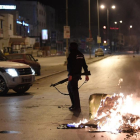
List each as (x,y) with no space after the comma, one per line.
(73,92)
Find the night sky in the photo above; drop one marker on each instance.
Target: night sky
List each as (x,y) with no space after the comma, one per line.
(78,10)
(126,10)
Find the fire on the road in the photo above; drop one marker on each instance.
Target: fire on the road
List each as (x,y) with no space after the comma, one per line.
(116,114)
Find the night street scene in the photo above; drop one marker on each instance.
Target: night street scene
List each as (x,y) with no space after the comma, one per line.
(69,70)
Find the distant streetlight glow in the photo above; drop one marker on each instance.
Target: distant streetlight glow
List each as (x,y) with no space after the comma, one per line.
(120,21)
(102,6)
(104,27)
(115,22)
(113,7)
(131,26)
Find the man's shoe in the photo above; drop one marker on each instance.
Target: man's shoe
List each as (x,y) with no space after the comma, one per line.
(75,109)
(71,107)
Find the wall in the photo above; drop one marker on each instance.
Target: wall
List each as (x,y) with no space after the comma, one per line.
(28,9)
(30,41)
(7,30)
(41,17)
(50,20)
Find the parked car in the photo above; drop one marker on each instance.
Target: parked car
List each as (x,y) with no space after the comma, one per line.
(26,59)
(99,52)
(16,76)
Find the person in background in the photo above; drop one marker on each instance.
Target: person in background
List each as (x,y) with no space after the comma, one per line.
(75,63)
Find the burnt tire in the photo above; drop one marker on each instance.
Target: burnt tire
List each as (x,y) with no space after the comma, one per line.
(21,89)
(3,87)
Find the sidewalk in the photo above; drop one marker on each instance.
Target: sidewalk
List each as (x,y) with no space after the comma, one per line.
(47,71)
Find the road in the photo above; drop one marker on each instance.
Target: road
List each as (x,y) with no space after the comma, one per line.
(56,60)
(53,65)
(37,114)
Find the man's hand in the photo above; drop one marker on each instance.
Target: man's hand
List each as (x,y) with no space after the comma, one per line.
(69,78)
(86,78)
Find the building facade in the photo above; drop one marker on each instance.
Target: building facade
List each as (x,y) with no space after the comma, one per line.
(13,32)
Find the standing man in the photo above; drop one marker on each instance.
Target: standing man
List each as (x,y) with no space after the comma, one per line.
(75,61)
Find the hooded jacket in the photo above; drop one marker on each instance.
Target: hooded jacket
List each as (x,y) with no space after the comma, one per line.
(76,62)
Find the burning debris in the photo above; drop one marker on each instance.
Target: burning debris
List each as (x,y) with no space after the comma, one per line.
(115,114)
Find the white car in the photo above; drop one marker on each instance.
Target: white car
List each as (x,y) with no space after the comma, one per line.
(99,52)
(16,76)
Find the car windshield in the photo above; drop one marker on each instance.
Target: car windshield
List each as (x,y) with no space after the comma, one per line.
(11,57)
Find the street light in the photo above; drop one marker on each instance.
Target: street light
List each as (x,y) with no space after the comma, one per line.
(131,26)
(104,27)
(120,21)
(103,7)
(113,6)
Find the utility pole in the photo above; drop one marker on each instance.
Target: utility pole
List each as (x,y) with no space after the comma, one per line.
(98,20)
(67,52)
(108,36)
(89,30)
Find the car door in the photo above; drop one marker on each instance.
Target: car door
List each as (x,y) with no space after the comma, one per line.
(33,63)
(29,61)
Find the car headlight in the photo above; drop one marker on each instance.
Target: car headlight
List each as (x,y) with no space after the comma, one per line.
(12,72)
(33,72)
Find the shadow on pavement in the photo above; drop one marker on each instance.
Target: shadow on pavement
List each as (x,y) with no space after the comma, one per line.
(12,94)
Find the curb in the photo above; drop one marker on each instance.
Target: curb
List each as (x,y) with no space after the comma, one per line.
(66,70)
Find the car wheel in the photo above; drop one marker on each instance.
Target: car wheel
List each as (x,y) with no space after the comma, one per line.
(3,87)
(21,88)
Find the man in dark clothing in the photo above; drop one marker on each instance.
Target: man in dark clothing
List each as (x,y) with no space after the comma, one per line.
(76,62)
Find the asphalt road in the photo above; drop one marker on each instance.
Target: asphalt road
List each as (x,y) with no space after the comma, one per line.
(37,114)
(56,60)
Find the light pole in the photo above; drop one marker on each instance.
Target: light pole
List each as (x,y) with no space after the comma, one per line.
(130,28)
(98,20)
(89,45)
(120,26)
(119,34)
(102,7)
(67,52)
